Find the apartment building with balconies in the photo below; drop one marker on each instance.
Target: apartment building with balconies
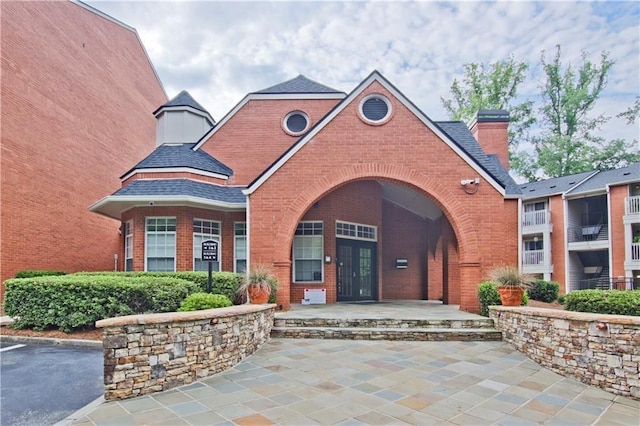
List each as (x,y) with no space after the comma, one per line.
(583,230)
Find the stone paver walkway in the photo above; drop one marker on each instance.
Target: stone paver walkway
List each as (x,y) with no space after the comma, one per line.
(307,382)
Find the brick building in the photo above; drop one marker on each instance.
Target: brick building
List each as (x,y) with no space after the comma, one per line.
(77,89)
(350,197)
(583,230)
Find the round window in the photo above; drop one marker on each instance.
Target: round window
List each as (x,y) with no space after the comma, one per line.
(296,122)
(375,108)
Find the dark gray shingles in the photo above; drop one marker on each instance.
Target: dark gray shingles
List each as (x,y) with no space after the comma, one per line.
(300,84)
(182,99)
(168,156)
(609,177)
(559,185)
(183,187)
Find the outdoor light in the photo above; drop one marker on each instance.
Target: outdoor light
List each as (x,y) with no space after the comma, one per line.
(327,259)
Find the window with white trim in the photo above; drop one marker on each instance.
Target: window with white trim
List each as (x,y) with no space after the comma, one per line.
(240,246)
(128,246)
(204,230)
(356,231)
(308,251)
(160,240)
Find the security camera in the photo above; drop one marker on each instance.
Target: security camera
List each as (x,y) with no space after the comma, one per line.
(151,203)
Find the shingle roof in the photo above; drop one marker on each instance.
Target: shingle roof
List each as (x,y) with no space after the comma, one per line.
(460,134)
(609,177)
(553,186)
(300,84)
(182,99)
(169,156)
(183,187)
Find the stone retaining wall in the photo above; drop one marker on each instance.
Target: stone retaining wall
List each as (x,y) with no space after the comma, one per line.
(151,353)
(599,350)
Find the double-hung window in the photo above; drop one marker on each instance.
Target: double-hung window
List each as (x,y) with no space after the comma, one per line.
(128,246)
(308,250)
(240,246)
(205,230)
(160,250)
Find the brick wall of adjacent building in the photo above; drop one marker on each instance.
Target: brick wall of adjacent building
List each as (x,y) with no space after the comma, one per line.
(617,195)
(558,250)
(402,150)
(77,96)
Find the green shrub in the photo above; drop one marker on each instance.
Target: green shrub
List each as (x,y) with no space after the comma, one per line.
(544,291)
(38,273)
(488,295)
(199,301)
(561,298)
(225,283)
(77,301)
(614,302)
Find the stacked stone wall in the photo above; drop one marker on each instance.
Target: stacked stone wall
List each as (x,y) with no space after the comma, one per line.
(599,350)
(151,353)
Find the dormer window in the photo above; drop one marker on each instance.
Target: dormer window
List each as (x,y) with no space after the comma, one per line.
(375,109)
(295,123)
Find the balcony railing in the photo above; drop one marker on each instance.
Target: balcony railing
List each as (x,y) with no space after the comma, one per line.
(635,251)
(625,283)
(535,218)
(533,257)
(588,233)
(632,205)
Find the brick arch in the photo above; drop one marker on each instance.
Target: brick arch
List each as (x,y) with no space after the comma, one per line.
(462,223)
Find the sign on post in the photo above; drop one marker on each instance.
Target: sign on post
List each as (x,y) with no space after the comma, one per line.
(210,254)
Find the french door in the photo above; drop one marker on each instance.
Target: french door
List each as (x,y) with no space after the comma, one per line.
(357,279)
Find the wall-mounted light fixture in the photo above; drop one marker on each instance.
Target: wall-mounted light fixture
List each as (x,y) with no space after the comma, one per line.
(327,259)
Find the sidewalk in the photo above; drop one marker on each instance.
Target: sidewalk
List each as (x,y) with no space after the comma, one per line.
(306,382)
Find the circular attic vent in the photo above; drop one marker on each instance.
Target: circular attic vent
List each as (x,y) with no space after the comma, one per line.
(375,109)
(296,122)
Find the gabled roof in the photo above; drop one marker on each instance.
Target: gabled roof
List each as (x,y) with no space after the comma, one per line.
(182,99)
(477,160)
(600,180)
(179,156)
(172,187)
(300,84)
(553,186)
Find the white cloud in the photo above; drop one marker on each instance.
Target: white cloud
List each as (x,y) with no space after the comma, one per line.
(220,51)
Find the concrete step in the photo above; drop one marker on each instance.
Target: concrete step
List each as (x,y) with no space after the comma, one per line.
(387,333)
(384,323)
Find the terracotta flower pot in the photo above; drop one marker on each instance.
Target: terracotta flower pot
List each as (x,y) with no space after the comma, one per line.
(511,296)
(258,296)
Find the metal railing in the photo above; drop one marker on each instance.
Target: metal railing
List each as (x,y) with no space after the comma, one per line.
(533,257)
(635,251)
(623,283)
(535,218)
(588,233)
(632,205)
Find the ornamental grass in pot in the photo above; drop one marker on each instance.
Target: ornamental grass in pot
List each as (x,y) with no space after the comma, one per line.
(511,284)
(259,284)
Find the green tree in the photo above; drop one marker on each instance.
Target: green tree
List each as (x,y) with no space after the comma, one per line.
(569,142)
(492,87)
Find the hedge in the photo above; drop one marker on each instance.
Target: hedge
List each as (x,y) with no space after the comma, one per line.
(488,295)
(544,291)
(225,283)
(77,301)
(614,302)
(199,301)
(38,273)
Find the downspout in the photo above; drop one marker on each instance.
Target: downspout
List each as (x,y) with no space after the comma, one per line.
(248,228)
(609,222)
(565,215)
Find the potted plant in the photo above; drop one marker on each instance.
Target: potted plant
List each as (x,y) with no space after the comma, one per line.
(259,284)
(511,284)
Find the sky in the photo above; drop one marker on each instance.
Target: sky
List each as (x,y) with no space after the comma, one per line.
(220,51)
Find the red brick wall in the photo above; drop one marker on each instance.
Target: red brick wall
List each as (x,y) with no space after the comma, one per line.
(558,251)
(77,96)
(405,151)
(404,235)
(184,234)
(494,139)
(617,195)
(241,143)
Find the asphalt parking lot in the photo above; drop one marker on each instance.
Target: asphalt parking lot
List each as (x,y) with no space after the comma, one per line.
(42,385)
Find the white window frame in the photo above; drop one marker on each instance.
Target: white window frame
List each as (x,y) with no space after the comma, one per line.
(321,259)
(206,236)
(236,237)
(359,228)
(128,244)
(146,238)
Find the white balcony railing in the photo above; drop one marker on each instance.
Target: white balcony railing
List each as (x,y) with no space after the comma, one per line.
(632,205)
(536,218)
(533,257)
(635,251)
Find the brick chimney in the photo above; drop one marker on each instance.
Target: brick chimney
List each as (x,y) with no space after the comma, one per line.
(490,128)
